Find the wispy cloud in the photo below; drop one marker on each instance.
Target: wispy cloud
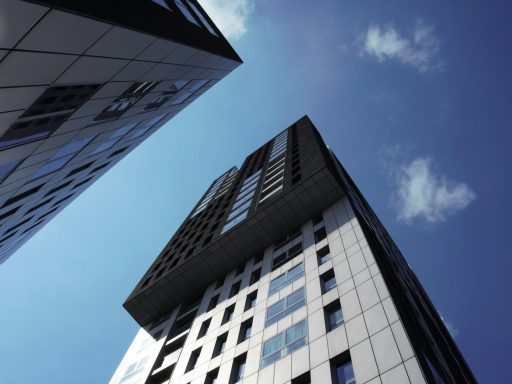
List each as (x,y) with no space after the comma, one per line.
(230,16)
(420,192)
(424,194)
(451,328)
(420,50)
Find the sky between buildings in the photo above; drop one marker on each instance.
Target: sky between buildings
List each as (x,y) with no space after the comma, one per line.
(413,97)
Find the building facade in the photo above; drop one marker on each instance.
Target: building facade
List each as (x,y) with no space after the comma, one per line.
(82,83)
(283,274)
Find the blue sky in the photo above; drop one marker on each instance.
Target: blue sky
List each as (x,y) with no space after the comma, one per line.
(413,97)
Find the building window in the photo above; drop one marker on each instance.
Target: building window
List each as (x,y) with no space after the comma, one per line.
(213,302)
(124,102)
(323,255)
(134,368)
(287,248)
(243,202)
(204,328)
(320,234)
(274,175)
(286,278)
(220,345)
(239,270)
(61,158)
(189,91)
(250,301)
(255,276)
(284,343)
(305,378)
(23,195)
(228,314)
(317,220)
(186,12)
(194,356)
(56,189)
(237,372)
(219,283)
(79,169)
(47,113)
(114,138)
(286,256)
(285,306)
(333,315)
(245,330)
(212,377)
(342,371)
(208,26)
(235,288)
(258,258)
(11,212)
(328,281)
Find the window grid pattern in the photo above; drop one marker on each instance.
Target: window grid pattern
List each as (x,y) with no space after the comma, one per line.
(286,279)
(211,193)
(284,343)
(285,306)
(243,202)
(274,175)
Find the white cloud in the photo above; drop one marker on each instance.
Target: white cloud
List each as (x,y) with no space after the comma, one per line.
(419,51)
(421,193)
(230,16)
(451,328)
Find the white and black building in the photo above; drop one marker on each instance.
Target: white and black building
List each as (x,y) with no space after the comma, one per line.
(282,274)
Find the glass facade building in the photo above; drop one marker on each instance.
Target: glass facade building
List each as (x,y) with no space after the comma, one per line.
(283,274)
(82,83)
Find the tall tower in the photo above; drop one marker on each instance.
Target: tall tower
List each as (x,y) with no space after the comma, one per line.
(280,274)
(82,83)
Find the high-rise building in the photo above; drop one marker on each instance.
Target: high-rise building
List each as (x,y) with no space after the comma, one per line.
(282,273)
(82,83)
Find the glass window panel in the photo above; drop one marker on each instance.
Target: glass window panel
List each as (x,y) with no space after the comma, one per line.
(51,166)
(239,209)
(199,84)
(276,308)
(345,373)
(329,284)
(181,97)
(243,199)
(104,146)
(273,345)
(203,19)
(35,136)
(298,270)
(186,12)
(234,222)
(5,169)
(277,282)
(162,3)
(139,133)
(250,185)
(179,84)
(252,177)
(296,345)
(284,343)
(295,297)
(73,147)
(335,318)
(296,332)
(122,130)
